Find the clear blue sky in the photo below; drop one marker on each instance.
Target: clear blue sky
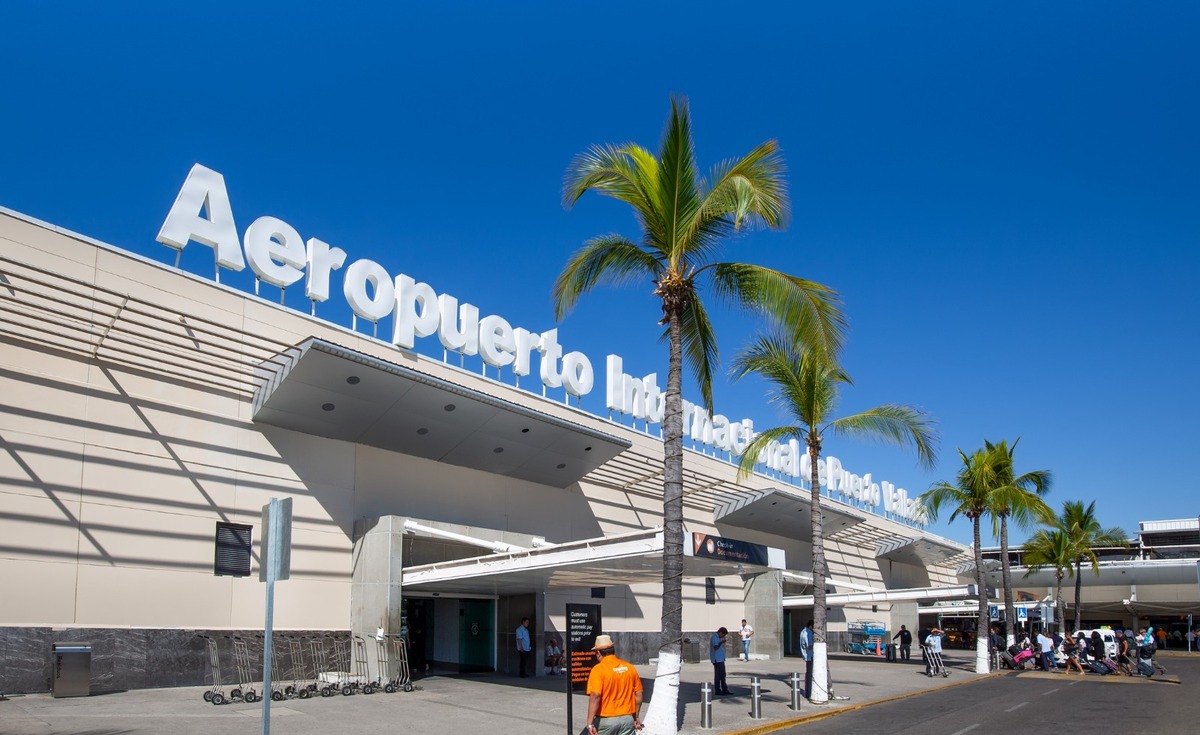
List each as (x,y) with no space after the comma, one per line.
(1006,194)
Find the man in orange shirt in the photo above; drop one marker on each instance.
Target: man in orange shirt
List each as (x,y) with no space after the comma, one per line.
(614,693)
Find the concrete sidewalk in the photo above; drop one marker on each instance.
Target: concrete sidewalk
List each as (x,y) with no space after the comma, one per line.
(484,703)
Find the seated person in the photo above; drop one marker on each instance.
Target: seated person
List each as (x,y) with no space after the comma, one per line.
(554,657)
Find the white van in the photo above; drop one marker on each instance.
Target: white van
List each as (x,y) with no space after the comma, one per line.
(1108,635)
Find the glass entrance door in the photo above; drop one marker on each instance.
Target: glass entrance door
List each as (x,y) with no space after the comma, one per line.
(477,635)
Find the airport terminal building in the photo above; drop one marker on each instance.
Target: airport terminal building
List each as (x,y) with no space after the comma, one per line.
(149,414)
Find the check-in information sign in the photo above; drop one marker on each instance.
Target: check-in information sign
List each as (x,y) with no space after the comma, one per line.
(583,625)
(728,549)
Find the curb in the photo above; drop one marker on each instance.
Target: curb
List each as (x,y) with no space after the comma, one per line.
(793,721)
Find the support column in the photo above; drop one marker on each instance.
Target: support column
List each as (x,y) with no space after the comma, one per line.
(375,599)
(764,611)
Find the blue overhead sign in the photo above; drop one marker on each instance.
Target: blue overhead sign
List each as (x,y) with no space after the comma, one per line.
(1022,613)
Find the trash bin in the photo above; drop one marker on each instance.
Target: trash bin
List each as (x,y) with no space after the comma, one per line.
(891,652)
(72,675)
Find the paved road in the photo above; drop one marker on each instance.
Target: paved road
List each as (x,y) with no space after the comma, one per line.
(1034,702)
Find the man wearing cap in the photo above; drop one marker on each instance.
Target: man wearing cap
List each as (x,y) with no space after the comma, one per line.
(614,693)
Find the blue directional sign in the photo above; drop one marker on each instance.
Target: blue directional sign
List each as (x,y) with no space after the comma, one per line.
(994,612)
(1022,613)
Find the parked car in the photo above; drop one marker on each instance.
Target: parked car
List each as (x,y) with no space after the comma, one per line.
(1108,635)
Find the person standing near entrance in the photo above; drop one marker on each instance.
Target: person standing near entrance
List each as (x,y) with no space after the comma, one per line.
(806,649)
(614,692)
(905,642)
(523,646)
(747,632)
(716,654)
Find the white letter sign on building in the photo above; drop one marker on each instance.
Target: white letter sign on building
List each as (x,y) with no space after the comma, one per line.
(279,256)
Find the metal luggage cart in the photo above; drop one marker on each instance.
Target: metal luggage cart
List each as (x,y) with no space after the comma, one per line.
(362,673)
(214,693)
(320,663)
(400,677)
(937,667)
(341,663)
(279,689)
(299,686)
(245,669)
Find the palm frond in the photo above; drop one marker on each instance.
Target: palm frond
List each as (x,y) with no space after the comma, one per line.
(750,190)
(610,259)
(800,383)
(894,424)
(678,186)
(761,441)
(699,348)
(807,311)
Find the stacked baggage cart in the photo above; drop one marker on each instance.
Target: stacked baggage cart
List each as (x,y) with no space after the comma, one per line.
(301,667)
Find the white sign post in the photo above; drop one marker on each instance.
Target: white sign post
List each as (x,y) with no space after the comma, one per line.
(275,563)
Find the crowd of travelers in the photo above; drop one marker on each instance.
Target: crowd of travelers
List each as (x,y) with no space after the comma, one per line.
(1103,652)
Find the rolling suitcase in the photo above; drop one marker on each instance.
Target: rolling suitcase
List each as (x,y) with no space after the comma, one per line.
(1145,667)
(1007,660)
(1098,667)
(1112,665)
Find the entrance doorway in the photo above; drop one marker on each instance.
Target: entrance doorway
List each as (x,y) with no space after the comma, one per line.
(451,635)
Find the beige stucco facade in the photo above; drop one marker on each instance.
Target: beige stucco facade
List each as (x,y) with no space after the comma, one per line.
(127,431)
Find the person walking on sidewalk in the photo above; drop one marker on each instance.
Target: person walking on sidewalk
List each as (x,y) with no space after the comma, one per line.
(716,654)
(614,692)
(806,650)
(523,646)
(905,642)
(746,632)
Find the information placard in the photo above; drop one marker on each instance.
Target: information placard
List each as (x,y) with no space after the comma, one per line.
(583,625)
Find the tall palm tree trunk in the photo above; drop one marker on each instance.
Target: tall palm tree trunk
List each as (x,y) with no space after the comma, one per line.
(1060,605)
(662,716)
(1010,610)
(982,666)
(820,652)
(1078,592)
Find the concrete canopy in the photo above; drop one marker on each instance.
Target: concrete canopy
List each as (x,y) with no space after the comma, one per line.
(327,390)
(630,558)
(783,513)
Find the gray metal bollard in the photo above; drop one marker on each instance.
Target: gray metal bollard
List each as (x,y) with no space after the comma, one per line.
(755,698)
(797,681)
(706,706)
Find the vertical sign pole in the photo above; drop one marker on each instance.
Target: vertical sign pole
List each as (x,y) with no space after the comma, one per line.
(274,564)
(570,685)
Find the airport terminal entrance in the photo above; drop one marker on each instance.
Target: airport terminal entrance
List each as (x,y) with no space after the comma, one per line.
(450,635)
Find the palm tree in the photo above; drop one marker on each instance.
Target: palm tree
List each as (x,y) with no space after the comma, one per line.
(683,218)
(1087,535)
(1018,498)
(805,386)
(1051,548)
(972,496)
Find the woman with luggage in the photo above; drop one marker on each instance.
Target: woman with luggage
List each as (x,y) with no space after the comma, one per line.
(1070,649)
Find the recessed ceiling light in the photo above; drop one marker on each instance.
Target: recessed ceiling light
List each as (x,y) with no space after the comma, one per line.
(422,431)
(449,407)
(525,430)
(498,450)
(587,449)
(561,467)
(353,380)
(327,406)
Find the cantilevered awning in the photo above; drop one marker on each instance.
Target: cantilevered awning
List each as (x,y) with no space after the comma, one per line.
(916,550)
(784,513)
(327,390)
(1113,573)
(900,595)
(630,558)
